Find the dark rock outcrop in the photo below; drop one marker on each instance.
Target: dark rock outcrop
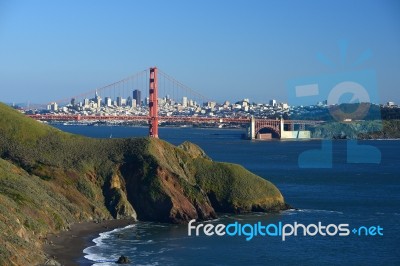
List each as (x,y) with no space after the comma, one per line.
(123,260)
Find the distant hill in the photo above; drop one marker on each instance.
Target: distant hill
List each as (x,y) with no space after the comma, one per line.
(50,179)
(376,129)
(354,111)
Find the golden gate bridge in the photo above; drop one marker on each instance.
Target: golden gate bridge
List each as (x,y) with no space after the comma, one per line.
(157,81)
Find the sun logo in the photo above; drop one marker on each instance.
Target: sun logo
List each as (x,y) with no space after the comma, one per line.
(351,98)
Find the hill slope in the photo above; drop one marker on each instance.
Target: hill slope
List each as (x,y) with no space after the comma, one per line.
(50,179)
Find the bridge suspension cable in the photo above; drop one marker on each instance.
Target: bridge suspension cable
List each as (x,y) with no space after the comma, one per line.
(119,92)
(179,85)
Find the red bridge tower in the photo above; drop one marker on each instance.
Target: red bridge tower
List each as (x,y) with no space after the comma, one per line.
(153,103)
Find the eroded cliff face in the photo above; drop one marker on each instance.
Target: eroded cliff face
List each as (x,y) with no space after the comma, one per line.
(165,196)
(177,184)
(116,199)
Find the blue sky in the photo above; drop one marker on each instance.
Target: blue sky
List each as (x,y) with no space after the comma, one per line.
(224,49)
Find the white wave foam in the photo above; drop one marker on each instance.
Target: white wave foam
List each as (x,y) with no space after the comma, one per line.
(383,139)
(289,212)
(94,256)
(294,211)
(214,220)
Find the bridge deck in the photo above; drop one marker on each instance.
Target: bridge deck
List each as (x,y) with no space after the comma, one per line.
(239,120)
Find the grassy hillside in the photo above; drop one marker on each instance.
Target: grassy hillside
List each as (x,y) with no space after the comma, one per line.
(29,209)
(50,179)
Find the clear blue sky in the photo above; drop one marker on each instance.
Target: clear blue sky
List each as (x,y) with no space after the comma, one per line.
(224,49)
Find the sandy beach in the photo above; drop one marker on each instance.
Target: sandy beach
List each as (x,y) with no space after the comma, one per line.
(67,246)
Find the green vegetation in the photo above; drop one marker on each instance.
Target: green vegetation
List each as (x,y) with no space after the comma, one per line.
(29,208)
(50,179)
(367,121)
(375,129)
(234,189)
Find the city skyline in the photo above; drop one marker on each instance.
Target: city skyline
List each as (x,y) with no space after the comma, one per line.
(249,50)
(121,100)
(112,108)
(135,101)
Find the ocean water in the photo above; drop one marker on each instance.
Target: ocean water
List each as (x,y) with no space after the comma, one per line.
(354,194)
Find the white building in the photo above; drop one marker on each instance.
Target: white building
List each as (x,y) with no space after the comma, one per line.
(86,102)
(52,106)
(284,106)
(184,101)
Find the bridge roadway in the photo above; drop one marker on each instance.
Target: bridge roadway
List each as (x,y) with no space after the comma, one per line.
(49,117)
(237,120)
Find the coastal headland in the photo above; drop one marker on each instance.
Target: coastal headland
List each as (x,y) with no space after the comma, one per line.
(51,180)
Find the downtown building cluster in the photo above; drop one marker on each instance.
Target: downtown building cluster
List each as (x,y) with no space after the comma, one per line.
(135,105)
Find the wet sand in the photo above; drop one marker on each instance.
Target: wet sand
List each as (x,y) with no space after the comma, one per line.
(67,246)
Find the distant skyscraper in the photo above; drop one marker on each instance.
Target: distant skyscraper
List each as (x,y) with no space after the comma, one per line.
(272,102)
(119,101)
(129,102)
(73,101)
(97,99)
(184,101)
(137,95)
(108,101)
(86,102)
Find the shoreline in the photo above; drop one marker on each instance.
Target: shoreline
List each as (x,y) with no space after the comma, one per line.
(66,247)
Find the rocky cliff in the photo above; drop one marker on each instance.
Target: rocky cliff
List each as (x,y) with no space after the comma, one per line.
(50,179)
